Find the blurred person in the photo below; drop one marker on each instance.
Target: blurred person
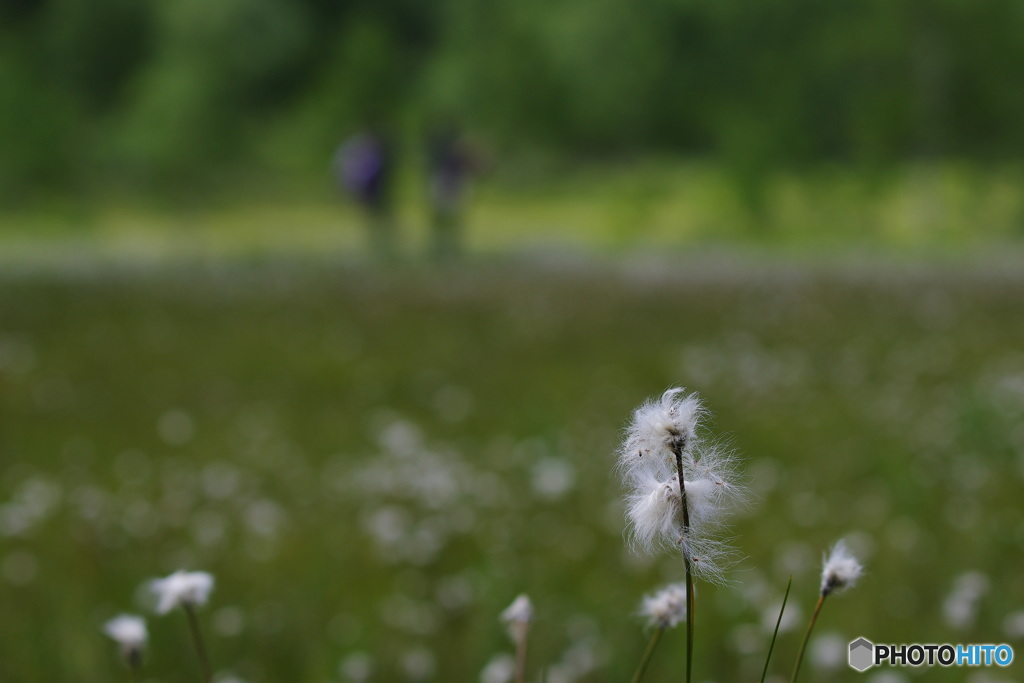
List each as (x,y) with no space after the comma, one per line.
(363,168)
(452,161)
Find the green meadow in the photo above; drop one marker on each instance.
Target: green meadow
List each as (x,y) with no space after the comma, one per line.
(374,463)
(930,210)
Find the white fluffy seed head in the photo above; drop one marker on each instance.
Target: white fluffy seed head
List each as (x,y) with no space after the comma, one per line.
(518,615)
(520,611)
(660,430)
(181,589)
(703,500)
(128,630)
(666,608)
(654,514)
(659,427)
(840,570)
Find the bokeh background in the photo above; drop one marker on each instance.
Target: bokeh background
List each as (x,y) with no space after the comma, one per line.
(810,213)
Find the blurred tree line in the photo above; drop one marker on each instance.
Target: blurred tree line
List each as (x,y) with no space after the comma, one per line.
(143,95)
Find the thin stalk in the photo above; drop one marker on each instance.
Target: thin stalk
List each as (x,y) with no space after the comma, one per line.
(807,636)
(647,655)
(689,620)
(677,449)
(197,640)
(775,633)
(522,628)
(133,659)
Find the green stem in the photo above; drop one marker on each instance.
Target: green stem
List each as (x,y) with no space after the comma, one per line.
(133,660)
(677,449)
(522,629)
(197,640)
(689,620)
(807,637)
(775,633)
(647,655)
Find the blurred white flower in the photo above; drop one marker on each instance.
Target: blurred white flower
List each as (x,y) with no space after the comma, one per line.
(517,616)
(1013,624)
(577,662)
(553,478)
(129,631)
(356,667)
(520,611)
(828,651)
(419,664)
(840,570)
(961,606)
(500,669)
(888,677)
(791,618)
(666,608)
(181,588)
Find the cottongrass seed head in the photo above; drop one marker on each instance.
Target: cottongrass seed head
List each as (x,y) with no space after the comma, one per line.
(185,589)
(517,615)
(658,428)
(129,631)
(840,570)
(660,431)
(666,608)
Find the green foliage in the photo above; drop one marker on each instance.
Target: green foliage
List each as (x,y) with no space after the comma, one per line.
(119,90)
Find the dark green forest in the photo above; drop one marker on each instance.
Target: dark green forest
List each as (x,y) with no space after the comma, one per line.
(143,95)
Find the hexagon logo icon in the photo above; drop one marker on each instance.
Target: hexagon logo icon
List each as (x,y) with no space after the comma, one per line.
(862,654)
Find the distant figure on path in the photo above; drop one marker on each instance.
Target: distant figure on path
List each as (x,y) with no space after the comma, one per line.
(452,161)
(363,168)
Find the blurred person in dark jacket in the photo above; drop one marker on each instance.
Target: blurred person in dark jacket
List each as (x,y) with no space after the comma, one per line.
(363,168)
(452,161)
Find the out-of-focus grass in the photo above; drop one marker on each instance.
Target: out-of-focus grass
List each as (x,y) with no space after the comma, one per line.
(374,464)
(647,205)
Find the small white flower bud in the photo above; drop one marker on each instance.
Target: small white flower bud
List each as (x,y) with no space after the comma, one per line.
(130,633)
(666,608)
(517,616)
(840,570)
(181,589)
(521,610)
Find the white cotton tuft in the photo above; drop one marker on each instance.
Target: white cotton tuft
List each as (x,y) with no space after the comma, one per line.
(660,428)
(186,589)
(520,611)
(128,630)
(661,439)
(654,514)
(666,608)
(500,669)
(840,570)
(518,615)
(703,497)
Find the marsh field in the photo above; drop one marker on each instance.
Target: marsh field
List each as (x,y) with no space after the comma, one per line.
(374,464)
(811,214)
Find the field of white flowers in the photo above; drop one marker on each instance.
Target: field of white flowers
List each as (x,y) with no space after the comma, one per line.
(373,465)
